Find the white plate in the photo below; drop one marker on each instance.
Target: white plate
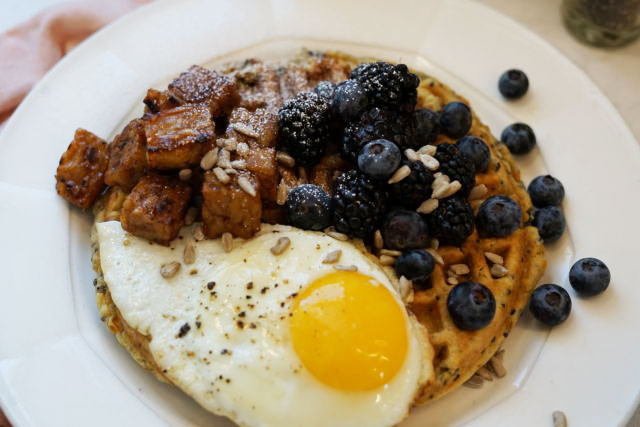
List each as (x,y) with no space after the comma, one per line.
(60,367)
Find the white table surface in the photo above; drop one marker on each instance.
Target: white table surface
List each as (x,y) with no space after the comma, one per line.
(616,72)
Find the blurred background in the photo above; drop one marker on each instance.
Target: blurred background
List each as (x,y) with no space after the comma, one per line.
(616,70)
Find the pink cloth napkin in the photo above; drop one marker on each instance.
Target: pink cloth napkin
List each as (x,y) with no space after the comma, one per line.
(32,48)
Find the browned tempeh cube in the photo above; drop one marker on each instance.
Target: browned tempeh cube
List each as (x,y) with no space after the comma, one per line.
(262,163)
(326,170)
(263,124)
(80,174)
(156,207)
(201,85)
(178,138)
(127,156)
(229,208)
(156,101)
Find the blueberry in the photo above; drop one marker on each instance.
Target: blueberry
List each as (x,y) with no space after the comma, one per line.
(471,306)
(550,223)
(455,119)
(519,138)
(349,100)
(476,150)
(498,216)
(589,276)
(308,207)
(546,190)
(513,84)
(325,89)
(426,126)
(550,304)
(417,264)
(403,229)
(379,159)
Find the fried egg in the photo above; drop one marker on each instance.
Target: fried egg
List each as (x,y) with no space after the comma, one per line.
(272,340)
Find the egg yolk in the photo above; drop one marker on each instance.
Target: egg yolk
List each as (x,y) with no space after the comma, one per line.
(349,331)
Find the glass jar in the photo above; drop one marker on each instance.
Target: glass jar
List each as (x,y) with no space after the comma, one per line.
(605,23)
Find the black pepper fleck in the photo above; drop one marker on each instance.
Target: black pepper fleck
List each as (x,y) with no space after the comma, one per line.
(184,329)
(211,285)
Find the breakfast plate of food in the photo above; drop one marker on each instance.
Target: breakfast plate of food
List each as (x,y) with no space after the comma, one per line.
(284,214)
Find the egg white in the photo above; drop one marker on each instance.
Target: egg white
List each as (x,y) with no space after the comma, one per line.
(237,359)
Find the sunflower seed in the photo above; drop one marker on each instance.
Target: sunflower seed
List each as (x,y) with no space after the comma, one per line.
(475,381)
(224,158)
(446,190)
(429,162)
(494,258)
(345,267)
(191,215)
(400,174)
(227,242)
(239,164)
(406,289)
(242,149)
(387,260)
(434,244)
(378,242)
(429,150)
(559,419)
(390,252)
(440,189)
(485,374)
(222,176)
(302,175)
(189,254)
(452,280)
(497,367)
(460,269)
(436,256)
(231,171)
(411,155)
(478,192)
(338,236)
(169,270)
(198,234)
(285,159)
(245,130)
(439,179)
(333,256)
(230,144)
(428,206)
(498,271)
(282,193)
(281,245)
(209,159)
(247,186)
(185,174)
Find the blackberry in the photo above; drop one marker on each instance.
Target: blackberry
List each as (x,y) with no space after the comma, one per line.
(304,127)
(457,166)
(452,221)
(358,204)
(415,188)
(326,90)
(377,123)
(387,85)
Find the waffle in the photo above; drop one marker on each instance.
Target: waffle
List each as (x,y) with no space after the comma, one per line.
(458,354)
